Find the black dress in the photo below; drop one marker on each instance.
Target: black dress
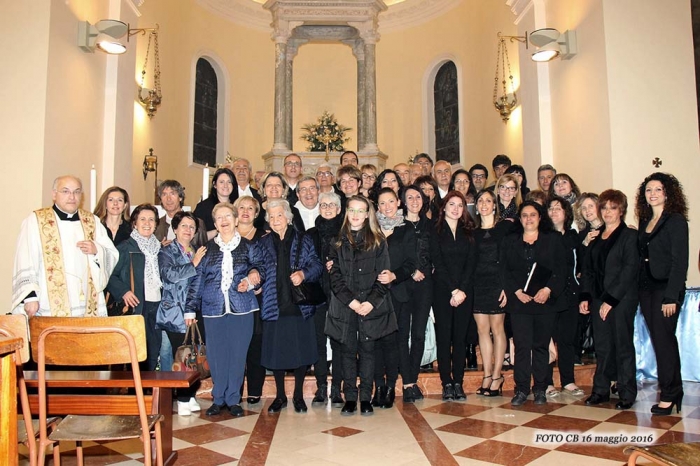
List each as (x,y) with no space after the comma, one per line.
(488,281)
(123,232)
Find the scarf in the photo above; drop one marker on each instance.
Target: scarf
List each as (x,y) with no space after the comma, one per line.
(570,198)
(508,212)
(150,247)
(387,223)
(227,264)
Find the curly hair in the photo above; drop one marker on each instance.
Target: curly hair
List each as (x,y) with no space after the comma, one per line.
(465,222)
(676,202)
(568,211)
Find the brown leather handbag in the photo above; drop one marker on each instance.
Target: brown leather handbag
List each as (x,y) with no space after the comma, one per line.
(192,354)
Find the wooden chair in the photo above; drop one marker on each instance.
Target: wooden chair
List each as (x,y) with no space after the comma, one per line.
(28,428)
(89,341)
(668,454)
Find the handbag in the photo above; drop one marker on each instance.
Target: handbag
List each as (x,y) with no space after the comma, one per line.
(193,356)
(116,308)
(306,293)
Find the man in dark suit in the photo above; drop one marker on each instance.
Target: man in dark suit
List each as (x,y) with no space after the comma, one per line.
(242,169)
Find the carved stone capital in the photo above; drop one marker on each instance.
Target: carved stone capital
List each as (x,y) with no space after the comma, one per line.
(367,31)
(282,30)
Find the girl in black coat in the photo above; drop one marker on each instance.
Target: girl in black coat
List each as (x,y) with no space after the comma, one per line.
(360,311)
(401,240)
(453,253)
(534,278)
(663,247)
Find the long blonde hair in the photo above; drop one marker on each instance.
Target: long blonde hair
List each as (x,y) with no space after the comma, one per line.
(371,232)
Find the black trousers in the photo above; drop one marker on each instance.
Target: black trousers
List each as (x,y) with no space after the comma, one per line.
(451,334)
(614,348)
(254,372)
(386,357)
(321,366)
(154,337)
(531,335)
(413,319)
(351,351)
(663,337)
(564,336)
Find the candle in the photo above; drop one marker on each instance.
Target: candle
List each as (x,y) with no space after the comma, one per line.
(93,189)
(205,182)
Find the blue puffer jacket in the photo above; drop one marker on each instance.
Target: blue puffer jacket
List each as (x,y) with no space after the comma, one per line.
(205,290)
(309,263)
(177,273)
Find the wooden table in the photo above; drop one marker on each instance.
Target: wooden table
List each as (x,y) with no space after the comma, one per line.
(8,400)
(160,402)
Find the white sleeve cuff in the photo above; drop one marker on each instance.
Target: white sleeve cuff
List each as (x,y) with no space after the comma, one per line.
(190,315)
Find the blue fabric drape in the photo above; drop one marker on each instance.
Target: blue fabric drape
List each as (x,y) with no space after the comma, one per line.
(688,334)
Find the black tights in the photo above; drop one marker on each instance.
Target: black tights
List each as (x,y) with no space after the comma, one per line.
(299,375)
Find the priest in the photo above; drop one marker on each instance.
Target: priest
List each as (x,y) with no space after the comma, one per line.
(63,258)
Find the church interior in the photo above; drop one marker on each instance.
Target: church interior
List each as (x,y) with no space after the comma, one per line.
(625,105)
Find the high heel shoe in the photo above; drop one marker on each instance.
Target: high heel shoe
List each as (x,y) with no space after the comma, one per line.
(482,390)
(495,391)
(656,409)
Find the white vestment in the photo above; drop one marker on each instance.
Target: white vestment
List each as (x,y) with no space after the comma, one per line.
(29,274)
(308,216)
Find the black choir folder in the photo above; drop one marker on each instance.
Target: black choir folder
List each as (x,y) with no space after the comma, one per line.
(537,279)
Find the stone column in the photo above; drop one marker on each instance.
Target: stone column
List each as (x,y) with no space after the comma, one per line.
(292,50)
(280,142)
(359,52)
(370,91)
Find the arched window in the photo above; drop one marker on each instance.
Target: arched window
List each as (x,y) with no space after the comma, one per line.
(206,105)
(446,104)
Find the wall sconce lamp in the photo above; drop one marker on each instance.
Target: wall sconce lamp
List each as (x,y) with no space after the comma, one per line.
(104,34)
(549,44)
(150,164)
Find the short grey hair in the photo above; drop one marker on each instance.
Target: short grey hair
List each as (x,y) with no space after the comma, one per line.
(279,203)
(325,165)
(175,186)
(545,167)
(307,178)
(331,197)
(63,177)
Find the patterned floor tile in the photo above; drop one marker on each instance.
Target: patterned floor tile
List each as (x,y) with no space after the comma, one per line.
(455,409)
(197,456)
(504,453)
(476,428)
(561,424)
(200,435)
(342,431)
(633,418)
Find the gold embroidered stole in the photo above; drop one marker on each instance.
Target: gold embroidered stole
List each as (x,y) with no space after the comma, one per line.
(57,289)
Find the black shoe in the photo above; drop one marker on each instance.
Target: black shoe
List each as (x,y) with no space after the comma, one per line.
(389,398)
(540,398)
(448,392)
(277,405)
(495,391)
(349,408)
(379,396)
(215,409)
(417,394)
(336,398)
(252,400)
(366,408)
(596,399)
(299,405)
(408,396)
(459,392)
(236,410)
(321,396)
(471,358)
(507,365)
(519,399)
(577,361)
(427,368)
(482,390)
(621,405)
(613,388)
(656,409)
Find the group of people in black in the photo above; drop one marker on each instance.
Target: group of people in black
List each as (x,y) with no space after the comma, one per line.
(523,268)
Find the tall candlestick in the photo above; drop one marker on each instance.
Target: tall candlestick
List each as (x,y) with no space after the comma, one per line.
(93,188)
(205,182)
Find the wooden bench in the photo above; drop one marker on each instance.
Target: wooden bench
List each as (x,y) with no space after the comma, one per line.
(670,454)
(160,402)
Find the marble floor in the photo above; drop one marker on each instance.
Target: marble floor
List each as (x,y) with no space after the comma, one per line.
(478,431)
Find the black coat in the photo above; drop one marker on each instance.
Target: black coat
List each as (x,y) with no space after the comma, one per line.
(668,254)
(354,276)
(130,258)
(324,234)
(454,259)
(621,268)
(403,248)
(549,253)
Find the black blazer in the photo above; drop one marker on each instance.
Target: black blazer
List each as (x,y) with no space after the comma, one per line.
(403,247)
(454,259)
(668,254)
(621,268)
(550,253)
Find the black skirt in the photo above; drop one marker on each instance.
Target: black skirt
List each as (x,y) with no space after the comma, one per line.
(288,343)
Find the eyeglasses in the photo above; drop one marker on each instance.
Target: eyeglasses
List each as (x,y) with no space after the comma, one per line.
(218,218)
(327,205)
(357,211)
(292,164)
(310,189)
(347,181)
(507,188)
(68,192)
(366,176)
(424,163)
(476,176)
(324,173)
